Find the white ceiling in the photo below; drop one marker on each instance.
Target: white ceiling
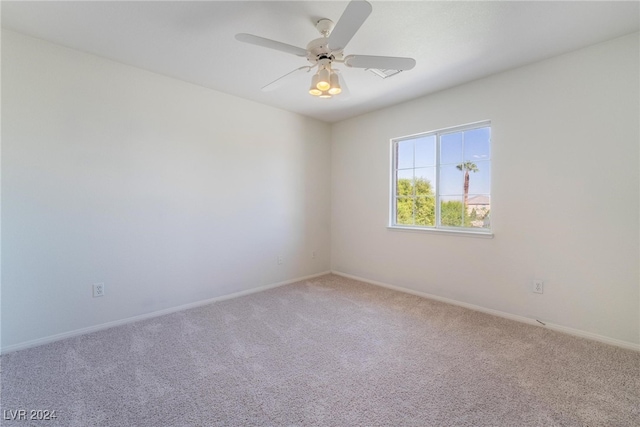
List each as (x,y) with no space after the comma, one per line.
(452,42)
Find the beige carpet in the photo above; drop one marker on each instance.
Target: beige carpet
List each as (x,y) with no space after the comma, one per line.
(325,352)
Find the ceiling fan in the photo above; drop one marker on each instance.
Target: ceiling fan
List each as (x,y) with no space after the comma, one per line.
(327,51)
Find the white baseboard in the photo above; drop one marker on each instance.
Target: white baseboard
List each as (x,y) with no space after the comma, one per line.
(88,330)
(517,318)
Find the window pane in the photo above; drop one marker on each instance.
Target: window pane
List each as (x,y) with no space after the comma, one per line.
(451,148)
(425,151)
(404,154)
(451,180)
(425,210)
(404,183)
(452,211)
(479,209)
(425,179)
(480,181)
(477,144)
(404,211)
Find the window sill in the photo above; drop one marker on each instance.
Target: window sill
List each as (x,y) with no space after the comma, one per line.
(465,233)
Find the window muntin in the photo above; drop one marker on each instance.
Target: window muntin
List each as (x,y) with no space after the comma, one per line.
(429,175)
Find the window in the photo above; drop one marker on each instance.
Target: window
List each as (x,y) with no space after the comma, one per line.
(442,179)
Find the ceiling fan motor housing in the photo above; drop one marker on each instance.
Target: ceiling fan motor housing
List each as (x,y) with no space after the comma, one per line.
(319,49)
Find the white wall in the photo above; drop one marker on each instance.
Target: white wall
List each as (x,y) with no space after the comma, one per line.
(167,192)
(565,196)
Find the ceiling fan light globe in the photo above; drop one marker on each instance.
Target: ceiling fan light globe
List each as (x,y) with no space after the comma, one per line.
(313,90)
(323,82)
(335,88)
(322,85)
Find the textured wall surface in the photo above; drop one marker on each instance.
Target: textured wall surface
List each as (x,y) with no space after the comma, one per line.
(167,192)
(565,194)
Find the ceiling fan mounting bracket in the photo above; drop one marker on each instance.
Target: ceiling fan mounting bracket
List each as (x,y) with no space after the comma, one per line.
(325,26)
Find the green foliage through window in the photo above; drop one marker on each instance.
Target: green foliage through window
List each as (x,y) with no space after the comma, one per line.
(416,202)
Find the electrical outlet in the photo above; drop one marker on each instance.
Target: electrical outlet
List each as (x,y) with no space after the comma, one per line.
(538,286)
(279,260)
(98,290)
(313,255)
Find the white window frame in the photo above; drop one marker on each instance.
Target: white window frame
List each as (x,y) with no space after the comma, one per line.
(459,231)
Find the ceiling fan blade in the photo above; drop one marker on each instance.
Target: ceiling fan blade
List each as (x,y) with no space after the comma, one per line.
(351,20)
(271,44)
(281,80)
(381,62)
